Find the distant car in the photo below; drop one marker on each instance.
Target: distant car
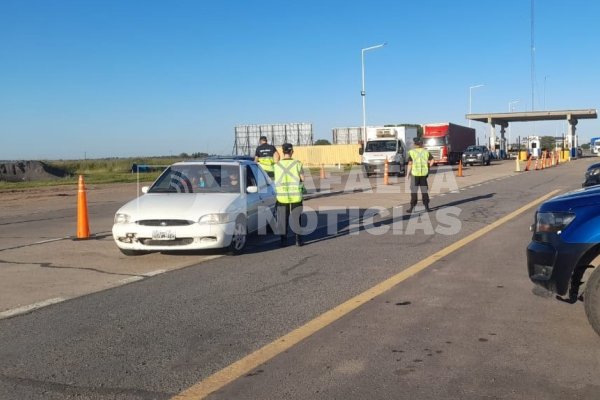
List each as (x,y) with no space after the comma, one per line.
(197,205)
(565,243)
(476,155)
(592,175)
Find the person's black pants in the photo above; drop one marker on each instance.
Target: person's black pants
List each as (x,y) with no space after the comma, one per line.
(417,182)
(289,214)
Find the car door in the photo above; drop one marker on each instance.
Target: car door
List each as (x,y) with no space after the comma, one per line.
(266,194)
(253,200)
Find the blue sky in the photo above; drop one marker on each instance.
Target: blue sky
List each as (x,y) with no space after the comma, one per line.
(138,78)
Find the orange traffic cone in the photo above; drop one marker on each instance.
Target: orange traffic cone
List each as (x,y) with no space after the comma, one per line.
(528,163)
(83,227)
(460,168)
(322,175)
(386,172)
(543,163)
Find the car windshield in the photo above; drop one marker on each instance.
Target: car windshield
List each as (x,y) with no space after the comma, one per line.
(435,141)
(474,148)
(381,145)
(198,179)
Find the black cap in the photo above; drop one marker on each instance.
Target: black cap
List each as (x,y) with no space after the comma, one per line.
(263,138)
(287,147)
(418,141)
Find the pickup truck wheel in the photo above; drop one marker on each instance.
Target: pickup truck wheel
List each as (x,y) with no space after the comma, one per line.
(591,300)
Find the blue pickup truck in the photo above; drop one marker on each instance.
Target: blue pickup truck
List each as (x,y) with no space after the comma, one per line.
(565,243)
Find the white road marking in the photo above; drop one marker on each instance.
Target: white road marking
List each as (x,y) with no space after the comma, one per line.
(130,280)
(154,273)
(25,309)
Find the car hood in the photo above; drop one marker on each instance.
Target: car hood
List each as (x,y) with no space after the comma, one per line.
(189,206)
(589,196)
(594,166)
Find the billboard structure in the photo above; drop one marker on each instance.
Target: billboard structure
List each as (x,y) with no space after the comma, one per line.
(247,136)
(351,135)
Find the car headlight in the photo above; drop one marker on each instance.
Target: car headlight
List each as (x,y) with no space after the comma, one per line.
(593,172)
(121,218)
(479,154)
(217,218)
(552,222)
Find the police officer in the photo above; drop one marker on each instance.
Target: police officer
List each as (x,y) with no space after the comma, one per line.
(419,162)
(289,184)
(266,155)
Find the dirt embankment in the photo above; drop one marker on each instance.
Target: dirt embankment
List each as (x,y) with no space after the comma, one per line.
(19,171)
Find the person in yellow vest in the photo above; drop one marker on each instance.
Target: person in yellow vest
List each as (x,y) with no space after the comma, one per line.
(289,185)
(419,162)
(266,156)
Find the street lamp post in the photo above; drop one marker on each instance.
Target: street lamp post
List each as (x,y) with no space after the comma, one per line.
(545,77)
(511,109)
(362,92)
(470,98)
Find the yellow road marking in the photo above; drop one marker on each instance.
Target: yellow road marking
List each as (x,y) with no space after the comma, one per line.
(264,354)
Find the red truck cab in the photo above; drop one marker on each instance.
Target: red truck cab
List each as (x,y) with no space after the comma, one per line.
(447,141)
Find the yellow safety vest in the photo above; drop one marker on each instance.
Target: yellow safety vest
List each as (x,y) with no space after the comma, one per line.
(266,163)
(420,162)
(287,181)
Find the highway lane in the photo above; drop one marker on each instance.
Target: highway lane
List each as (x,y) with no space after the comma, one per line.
(154,338)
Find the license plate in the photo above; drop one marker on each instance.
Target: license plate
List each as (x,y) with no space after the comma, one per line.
(163,235)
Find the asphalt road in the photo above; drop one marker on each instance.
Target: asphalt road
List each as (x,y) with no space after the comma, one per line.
(465,327)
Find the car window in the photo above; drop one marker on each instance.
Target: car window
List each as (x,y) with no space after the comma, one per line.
(250,178)
(260,177)
(199,178)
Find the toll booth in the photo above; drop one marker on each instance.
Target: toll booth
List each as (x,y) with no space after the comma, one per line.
(534,145)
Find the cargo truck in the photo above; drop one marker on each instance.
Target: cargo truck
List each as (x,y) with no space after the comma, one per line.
(447,141)
(387,143)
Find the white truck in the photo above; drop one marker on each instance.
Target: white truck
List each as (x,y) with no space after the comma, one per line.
(387,143)
(595,145)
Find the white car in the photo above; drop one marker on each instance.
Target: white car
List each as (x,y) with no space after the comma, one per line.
(197,205)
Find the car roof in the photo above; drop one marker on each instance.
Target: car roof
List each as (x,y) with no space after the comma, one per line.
(222,160)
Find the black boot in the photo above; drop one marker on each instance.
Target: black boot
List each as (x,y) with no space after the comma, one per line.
(299,241)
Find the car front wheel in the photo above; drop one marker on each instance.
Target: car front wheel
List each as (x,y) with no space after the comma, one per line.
(591,300)
(239,237)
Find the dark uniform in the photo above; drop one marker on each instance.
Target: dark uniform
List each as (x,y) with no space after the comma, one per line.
(265,153)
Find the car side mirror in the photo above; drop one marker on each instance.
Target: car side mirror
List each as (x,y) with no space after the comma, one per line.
(252,189)
(145,189)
